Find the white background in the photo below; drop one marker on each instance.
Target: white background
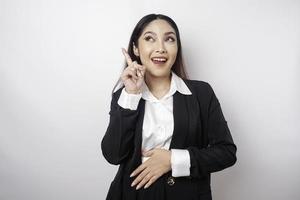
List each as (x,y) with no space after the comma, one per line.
(60,59)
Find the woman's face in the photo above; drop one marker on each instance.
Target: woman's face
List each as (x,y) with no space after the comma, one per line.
(157,48)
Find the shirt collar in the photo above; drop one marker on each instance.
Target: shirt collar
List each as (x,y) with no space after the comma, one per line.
(177,84)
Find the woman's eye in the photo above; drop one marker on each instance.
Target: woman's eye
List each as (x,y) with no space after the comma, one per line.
(149,38)
(170,39)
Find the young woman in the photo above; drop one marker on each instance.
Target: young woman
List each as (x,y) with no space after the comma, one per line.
(167,133)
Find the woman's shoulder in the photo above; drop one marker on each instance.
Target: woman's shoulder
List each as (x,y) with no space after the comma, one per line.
(199,86)
(202,91)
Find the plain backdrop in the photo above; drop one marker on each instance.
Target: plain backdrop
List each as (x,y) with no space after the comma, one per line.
(60,59)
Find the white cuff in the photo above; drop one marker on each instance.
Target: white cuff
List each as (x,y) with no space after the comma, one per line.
(180,162)
(129,101)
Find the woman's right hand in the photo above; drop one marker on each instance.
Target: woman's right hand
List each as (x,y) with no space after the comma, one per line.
(133,75)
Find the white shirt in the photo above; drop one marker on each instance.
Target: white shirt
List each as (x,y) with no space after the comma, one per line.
(158,122)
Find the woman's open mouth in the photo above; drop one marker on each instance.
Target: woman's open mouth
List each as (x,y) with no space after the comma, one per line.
(159,60)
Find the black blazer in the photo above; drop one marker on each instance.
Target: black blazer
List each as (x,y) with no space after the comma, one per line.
(199,127)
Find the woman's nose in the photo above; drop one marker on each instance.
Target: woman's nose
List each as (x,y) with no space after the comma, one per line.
(161,50)
(161,47)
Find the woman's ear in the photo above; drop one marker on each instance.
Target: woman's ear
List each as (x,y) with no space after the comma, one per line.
(135,51)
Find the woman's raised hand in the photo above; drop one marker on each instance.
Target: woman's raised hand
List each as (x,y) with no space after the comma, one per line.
(133,75)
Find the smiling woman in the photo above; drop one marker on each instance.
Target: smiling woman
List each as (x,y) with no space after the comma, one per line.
(157,48)
(167,133)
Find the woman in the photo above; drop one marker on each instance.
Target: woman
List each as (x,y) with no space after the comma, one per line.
(167,133)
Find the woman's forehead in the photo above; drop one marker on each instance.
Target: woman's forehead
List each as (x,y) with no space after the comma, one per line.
(158,26)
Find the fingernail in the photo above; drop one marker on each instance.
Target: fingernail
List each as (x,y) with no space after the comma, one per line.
(131,175)
(132,184)
(138,187)
(146,186)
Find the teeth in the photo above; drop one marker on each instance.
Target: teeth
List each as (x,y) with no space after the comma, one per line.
(160,59)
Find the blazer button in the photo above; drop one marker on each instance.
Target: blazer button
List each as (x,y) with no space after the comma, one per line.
(171,180)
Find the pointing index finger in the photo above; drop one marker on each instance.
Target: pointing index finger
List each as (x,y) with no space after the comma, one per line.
(127,57)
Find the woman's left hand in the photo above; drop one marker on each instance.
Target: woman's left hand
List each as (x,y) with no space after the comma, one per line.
(158,164)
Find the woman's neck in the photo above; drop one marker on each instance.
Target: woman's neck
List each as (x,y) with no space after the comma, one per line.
(158,86)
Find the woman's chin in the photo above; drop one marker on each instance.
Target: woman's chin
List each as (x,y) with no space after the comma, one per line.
(158,72)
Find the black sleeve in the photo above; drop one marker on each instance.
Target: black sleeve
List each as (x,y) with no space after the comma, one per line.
(118,140)
(221,150)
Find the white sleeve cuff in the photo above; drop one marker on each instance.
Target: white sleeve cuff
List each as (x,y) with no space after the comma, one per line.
(180,162)
(129,101)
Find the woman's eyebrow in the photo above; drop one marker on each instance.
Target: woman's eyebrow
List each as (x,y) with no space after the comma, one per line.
(149,32)
(171,32)
(167,33)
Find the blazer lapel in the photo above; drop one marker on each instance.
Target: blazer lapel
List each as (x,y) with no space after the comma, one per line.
(181,120)
(139,130)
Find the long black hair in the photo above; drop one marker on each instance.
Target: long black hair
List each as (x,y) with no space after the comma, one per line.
(178,67)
